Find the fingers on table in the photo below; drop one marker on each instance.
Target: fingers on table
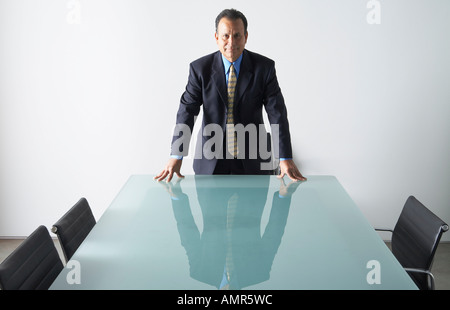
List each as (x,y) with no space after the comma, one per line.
(169,174)
(293,174)
(164,174)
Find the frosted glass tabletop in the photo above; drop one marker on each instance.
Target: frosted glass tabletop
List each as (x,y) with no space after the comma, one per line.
(236,232)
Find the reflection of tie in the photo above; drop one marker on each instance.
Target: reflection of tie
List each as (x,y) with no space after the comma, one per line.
(229,275)
(231,137)
(231,211)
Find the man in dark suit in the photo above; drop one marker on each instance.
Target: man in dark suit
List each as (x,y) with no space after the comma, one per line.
(233,85)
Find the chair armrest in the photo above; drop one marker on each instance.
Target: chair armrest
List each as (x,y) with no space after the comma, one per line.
(427,272)
(383,229)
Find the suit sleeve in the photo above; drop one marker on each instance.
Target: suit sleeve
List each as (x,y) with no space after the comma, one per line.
(189,108)
(277,113)
(188,230)
(274,230)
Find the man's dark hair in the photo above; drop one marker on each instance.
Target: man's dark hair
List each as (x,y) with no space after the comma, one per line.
(231,14)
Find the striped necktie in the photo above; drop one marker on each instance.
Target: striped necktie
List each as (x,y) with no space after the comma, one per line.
(231,136)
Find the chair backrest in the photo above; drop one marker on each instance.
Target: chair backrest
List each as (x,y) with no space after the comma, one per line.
(73,227)
(33,265)
(415,238)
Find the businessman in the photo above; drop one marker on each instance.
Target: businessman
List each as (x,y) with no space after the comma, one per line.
(232,86)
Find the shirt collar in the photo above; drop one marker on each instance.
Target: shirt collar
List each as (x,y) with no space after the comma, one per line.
(236,64)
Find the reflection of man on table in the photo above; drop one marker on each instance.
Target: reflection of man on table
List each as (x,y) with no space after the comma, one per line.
(232,86)
(231,252)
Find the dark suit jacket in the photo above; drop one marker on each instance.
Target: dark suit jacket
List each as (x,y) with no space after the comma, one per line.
(257,87)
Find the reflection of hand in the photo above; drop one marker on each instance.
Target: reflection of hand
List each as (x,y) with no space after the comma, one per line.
(288,190)
(174,190)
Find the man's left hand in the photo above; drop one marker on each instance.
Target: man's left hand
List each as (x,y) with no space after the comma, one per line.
(288,167)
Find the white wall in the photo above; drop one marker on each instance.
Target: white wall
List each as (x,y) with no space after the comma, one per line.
(84,105)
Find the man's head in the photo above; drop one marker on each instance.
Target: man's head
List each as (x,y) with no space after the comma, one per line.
(231,33)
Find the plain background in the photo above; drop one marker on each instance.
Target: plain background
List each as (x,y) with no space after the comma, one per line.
(86,103)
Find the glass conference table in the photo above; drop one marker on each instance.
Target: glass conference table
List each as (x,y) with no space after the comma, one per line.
(235,232)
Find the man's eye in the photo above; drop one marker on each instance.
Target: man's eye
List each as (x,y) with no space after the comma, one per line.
(226,36)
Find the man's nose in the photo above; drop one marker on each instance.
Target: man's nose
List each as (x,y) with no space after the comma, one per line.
(230,41)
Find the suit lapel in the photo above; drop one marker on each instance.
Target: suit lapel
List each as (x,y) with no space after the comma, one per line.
(245,76)
(218,77)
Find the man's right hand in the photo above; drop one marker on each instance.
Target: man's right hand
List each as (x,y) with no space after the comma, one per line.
(173,166)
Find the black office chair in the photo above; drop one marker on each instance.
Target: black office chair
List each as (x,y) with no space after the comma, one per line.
(33,265)
(73,227)
(415,239)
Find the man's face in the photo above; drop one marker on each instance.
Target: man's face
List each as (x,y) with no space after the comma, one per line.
(231,38)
